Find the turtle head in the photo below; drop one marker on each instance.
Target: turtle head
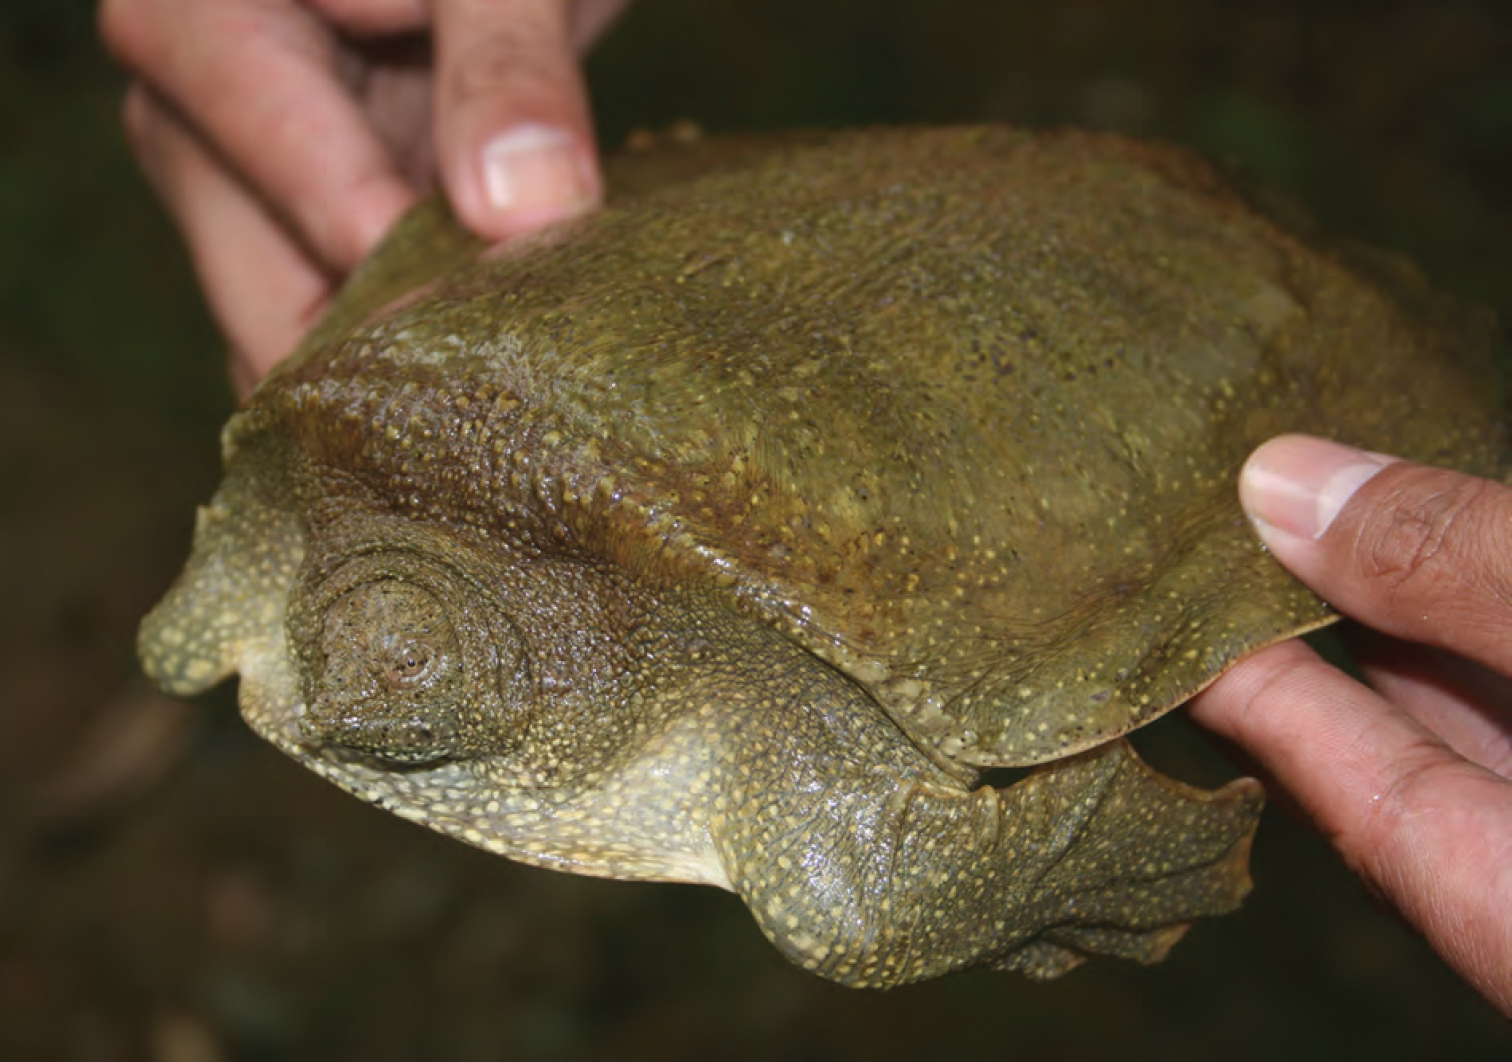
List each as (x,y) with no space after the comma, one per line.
(393,680)
(401,659)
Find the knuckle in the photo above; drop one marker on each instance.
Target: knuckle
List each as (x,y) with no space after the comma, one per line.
(1423,537)
(1381,840)
(519,59)
(126,28)
(483,65)
(1381,818)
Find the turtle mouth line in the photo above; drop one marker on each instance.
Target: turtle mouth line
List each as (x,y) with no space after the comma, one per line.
(390,762)
(402,738)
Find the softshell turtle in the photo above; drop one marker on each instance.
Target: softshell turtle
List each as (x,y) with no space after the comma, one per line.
(726,535)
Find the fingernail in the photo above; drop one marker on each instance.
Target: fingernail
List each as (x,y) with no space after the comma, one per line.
(535,169)
(1298,485)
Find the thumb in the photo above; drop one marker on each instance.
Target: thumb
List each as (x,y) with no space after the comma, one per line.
(1421,553)
(513,132)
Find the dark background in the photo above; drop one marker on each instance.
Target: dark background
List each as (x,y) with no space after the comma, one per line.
(172,889)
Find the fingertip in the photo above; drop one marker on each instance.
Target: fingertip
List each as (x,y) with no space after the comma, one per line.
(371,209)
(1296,485)
(530,176)
(514,135)
(245,372)
(1237,704)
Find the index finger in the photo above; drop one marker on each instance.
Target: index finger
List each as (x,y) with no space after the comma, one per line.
(1427,829)
(259,81)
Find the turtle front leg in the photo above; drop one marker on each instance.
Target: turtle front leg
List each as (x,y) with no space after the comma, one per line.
(868,865)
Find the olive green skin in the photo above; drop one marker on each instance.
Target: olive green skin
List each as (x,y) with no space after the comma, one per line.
(726,534)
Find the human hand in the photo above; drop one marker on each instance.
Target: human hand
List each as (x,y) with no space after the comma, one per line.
(1410,776)
(287,135)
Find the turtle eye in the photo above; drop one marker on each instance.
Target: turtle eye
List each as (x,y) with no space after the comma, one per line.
(407,664)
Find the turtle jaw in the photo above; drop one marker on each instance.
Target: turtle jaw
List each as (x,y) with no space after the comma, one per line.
(395,734)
